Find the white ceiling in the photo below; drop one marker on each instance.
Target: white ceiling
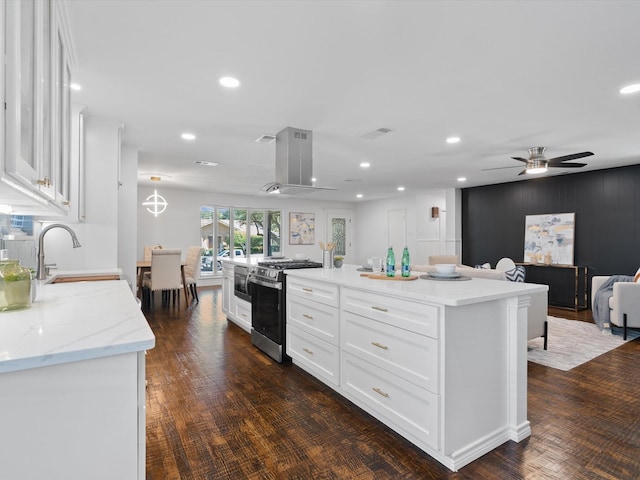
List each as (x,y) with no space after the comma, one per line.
(503,75)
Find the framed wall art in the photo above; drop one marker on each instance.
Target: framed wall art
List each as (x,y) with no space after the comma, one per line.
(302,228)
(549,238)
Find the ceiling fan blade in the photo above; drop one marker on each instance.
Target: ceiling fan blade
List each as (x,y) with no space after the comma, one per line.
(498,168)
(523,172)
(520,159)
(573,156)
(568,165)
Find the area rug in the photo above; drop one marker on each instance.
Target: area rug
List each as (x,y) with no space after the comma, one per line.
(572,343)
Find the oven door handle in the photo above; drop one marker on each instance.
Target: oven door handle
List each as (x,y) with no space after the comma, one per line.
(274,285)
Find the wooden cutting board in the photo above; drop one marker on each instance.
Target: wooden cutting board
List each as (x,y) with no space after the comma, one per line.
(382,276)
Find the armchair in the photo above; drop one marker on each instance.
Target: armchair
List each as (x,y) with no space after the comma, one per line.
(624,302)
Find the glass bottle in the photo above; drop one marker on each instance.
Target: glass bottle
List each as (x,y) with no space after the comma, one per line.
(406,269)
(15,286)
(391,263)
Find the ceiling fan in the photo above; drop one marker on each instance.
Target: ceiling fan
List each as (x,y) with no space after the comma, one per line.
(537,163)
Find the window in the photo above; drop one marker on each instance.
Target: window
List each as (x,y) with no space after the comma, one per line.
(231,232)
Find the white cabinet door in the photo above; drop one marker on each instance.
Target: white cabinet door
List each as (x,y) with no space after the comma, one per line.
(38,102)
(21,53)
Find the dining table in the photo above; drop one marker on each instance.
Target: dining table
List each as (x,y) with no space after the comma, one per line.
(145,266)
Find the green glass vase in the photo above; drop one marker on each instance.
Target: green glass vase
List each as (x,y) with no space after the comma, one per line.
(15,286)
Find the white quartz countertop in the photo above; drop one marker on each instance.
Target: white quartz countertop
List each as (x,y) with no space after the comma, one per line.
(445,292)
(75,321)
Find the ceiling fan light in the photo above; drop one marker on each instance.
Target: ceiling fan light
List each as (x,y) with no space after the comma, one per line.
(630,89)
(536,170)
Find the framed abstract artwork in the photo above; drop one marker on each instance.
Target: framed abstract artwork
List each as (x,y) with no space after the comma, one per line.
(549,238)
(302,228)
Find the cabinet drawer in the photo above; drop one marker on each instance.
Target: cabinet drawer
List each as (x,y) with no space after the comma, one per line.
(405,354)
(322,292)
(404,405)
(403,313)
(316,356)
(315,318)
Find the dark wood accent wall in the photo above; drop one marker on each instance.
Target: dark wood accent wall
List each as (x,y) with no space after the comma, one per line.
(606,204)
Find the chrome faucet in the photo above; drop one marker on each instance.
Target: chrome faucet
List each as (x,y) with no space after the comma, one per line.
(42,271)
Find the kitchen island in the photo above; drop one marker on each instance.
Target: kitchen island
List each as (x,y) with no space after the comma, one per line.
(443,363)
(72,383)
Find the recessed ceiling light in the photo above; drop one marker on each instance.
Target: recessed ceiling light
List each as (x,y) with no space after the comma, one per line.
(155,178)
(229,82)
(205,164)
(365,164)
(359,195)
(401,189)
(453,139)
(188,136)
(75,86)
(630,89)
(462,179)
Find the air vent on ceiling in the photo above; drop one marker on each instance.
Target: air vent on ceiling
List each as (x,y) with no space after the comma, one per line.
(266,139)
(206,164)
(377,133)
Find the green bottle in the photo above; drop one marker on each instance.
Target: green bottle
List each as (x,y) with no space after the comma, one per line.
(391,263)
(406,269)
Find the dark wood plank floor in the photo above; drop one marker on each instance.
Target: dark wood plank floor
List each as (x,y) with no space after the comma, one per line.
(217,408)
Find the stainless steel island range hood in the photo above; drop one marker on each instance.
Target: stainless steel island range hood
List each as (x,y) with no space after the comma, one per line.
(294,163)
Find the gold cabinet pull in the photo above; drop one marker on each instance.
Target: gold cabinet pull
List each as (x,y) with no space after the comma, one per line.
(308,351)
(379,345)
(380,392)
(66,203)
(307,289)
(380,309)
(310,317)
(45,181)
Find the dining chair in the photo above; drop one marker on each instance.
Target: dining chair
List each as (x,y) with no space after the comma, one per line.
(165,275)
(192,270)
(148,249)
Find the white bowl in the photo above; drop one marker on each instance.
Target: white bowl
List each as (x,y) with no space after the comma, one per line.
(446,268)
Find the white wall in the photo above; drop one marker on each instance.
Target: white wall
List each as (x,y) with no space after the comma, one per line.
(424,235)
(99,233)
(179,225)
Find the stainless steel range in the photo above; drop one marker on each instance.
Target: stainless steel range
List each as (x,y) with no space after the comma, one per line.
(268,315)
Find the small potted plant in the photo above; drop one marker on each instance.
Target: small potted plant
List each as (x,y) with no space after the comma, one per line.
(337,261)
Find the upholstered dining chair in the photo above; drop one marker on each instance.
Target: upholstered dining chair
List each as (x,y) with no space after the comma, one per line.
(148,249)
(165,275)
(192,270)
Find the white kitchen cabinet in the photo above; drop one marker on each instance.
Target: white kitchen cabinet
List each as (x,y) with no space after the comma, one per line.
(390,361)
(442,364)
(242,317)
(76,420)
(72,383)
(236,309)
(313,326)
(228,304)
(36,172)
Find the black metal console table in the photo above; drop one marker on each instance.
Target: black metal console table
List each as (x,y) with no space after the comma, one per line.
(568,284)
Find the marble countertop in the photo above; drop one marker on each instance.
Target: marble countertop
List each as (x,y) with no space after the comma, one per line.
(70,322)
(452,293)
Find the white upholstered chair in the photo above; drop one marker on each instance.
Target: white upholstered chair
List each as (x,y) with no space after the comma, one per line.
(624,303)
(192,270)
(165,275)
(148,249)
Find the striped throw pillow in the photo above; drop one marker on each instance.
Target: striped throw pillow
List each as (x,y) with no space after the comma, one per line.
(516,274)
